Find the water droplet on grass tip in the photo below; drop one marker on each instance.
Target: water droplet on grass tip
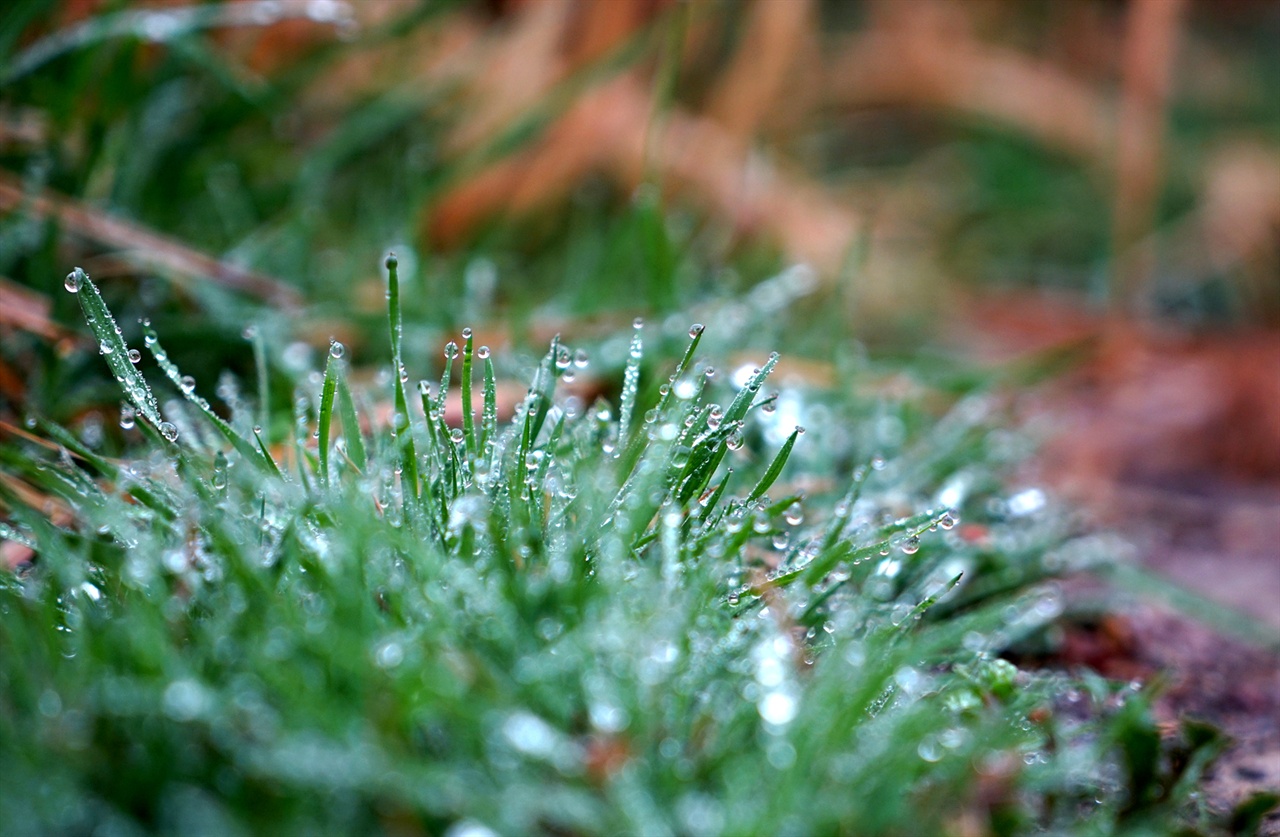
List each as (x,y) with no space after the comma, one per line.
(466,334)
(696,329)
(168,431)
(482,352)
(391,261)
(336,349)
(638,322)
(947,521)
(72,282)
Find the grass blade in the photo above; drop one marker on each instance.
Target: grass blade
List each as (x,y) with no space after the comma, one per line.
(400,423)
(775,467)
(326,409)
(112,347)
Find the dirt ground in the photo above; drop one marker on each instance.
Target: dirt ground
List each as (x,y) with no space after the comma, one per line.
(1172,441)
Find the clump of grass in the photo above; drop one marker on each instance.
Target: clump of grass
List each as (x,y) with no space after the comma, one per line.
(590,619)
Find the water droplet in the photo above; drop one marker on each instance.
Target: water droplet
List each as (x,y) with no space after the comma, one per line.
(947,521)
(187,383)
(336,349)
(777,707)
(696,329)
(389,654)
(466,334)
(73,281)
(456,435)
(581,359)
(391,261)
(135,356)
(105,348)
(127,417)
(482,352)
(911,545)
(450,350)
(733,441)
(249,332)
(877,463)
(168,431)
(794,514)
(638,323)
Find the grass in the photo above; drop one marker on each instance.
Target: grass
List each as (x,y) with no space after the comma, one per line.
(312,605)
(592,618)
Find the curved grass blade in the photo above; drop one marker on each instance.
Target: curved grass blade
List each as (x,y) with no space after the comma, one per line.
(228,432)
(775,467)
(111,346)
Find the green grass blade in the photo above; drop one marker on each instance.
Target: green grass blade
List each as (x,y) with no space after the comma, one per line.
(489,417)
(775,467)
(351,431)
(326,409)
(187,388)
(112,347)
(401,427)
(468,420)
(630,386)
(742,402)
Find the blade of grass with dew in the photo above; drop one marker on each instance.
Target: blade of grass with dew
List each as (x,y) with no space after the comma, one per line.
(630,387)
(112,347)
(325,418)
(187,388)
(468,419)
(489,415)
(401,425)
(446,377)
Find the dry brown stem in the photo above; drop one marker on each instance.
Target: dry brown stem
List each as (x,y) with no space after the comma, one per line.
(141,246)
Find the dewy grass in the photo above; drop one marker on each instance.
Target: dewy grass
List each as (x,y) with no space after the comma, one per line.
(560,625)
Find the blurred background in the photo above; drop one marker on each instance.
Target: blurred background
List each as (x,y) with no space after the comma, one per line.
(1081,196)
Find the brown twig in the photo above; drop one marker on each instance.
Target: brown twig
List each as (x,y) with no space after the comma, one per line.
(140,245)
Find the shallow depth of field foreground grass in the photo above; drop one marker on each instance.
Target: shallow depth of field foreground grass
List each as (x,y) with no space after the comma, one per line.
(594,619)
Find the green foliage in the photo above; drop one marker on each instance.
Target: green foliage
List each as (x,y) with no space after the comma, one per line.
(565,623)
